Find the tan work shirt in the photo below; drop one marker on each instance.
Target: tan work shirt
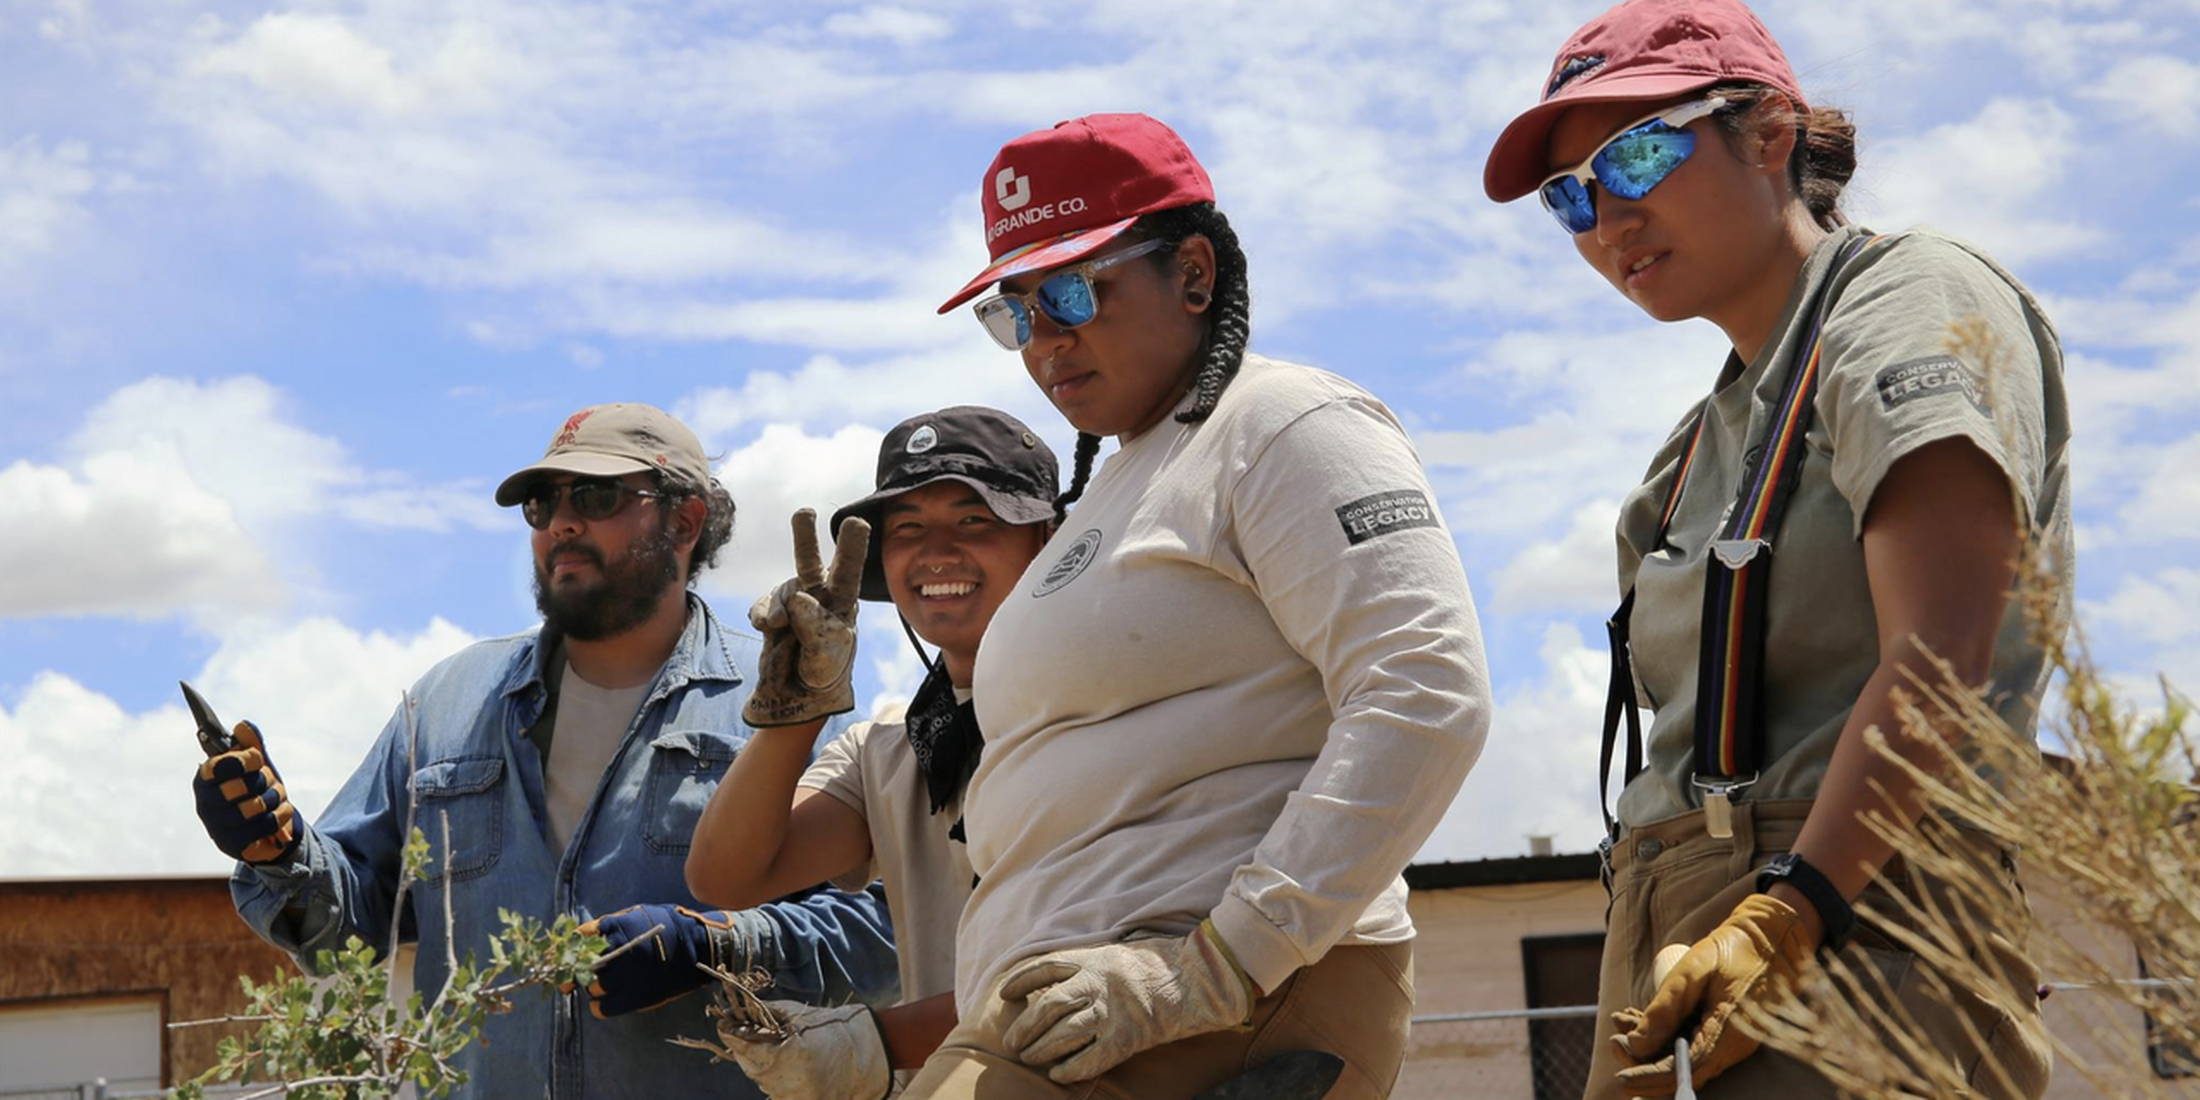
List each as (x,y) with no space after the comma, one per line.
(873,770)
(1889,385)
(1244,681)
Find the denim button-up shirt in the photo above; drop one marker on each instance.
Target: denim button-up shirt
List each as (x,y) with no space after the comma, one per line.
(474,762)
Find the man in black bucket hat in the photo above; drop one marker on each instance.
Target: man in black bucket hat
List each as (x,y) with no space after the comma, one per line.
(965,498)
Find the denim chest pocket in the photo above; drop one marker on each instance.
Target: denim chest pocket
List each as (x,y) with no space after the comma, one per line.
(471,793)
(684,768)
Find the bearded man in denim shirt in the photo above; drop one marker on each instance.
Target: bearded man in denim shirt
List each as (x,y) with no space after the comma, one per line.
(572,763)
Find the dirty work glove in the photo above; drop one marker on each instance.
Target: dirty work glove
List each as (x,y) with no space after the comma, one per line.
(809,629)
(1754,956)
(243,804)
(827,1054)
(1092,1008)
(659,973)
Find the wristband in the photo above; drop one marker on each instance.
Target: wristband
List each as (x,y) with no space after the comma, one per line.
(1834,911)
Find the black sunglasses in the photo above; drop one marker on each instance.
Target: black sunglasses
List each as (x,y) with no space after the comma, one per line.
(593,499)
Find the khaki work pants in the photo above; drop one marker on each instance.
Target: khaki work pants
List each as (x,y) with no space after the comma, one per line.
(1673,883)
(1355,1003)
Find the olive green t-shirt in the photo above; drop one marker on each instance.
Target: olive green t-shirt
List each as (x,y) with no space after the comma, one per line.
(1889,384)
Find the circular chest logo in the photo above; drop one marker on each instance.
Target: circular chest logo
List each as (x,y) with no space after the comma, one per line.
(1072,562)
(922,440)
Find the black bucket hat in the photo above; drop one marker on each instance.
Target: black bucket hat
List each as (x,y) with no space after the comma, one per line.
(987,449)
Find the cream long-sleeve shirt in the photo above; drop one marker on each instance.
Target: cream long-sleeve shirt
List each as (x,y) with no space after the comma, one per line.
(1244,680)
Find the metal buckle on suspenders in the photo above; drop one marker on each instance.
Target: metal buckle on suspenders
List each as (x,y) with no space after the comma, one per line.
(1718,802)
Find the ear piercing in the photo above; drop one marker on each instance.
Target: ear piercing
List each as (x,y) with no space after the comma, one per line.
(1196,298)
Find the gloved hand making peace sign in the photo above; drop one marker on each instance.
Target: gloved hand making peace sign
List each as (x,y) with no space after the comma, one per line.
(809,629)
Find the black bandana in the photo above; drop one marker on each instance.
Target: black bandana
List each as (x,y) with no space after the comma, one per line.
(945,735)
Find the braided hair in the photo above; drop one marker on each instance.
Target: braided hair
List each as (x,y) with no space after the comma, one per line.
(1221,345)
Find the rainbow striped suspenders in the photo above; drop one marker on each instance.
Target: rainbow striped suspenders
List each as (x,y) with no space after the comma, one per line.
(1730,704)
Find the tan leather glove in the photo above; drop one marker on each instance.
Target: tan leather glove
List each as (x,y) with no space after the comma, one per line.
(1755,955)
(828,1054)
(1092,1008)
(809,629)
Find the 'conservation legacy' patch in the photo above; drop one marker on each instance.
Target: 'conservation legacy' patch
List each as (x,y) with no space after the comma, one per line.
(1396,510)
(1928,377)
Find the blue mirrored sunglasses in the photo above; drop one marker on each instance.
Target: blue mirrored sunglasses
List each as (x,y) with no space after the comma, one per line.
(1066,297)
(1635,160)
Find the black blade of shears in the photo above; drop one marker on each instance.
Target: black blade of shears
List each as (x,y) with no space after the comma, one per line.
(213,736)
(1299,1075)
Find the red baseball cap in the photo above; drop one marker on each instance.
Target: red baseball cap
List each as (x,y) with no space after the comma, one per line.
(1641,49)
(1053,196)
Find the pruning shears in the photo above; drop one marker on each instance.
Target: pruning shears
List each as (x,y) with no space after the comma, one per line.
(214,737)
(1299,1075)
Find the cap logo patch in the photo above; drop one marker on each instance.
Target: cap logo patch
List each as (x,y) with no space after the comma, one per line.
(1070,565)
(1572,70)
(1013,193)
(572,428)
(1011,190)
(922,440)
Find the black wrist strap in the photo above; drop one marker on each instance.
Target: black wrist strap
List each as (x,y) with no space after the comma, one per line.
(1834,911)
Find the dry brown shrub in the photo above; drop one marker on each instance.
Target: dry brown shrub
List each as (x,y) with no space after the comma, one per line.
(2113,833)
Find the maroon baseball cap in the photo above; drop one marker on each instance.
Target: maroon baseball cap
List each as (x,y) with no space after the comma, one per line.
(1641,49)
(1053,196)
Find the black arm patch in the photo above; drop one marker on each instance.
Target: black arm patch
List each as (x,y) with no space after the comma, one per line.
(1383,513)
(1928,377)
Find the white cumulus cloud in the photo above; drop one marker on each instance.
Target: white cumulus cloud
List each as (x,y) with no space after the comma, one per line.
(319,691)
(125,533)
(1541,757)
(782,470)
(901,26)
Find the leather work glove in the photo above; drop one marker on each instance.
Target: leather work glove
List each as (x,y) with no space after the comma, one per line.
(828,1054)
(1756,954)
(1092,1008)
(809,629)
(653,975)
(243,804)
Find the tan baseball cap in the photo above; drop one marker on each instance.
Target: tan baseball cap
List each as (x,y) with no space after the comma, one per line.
(610,440)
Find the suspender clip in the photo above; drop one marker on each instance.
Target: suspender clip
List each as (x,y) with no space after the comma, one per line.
(1736,553)
(1718,802)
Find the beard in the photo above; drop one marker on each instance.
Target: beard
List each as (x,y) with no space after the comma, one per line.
(626,596)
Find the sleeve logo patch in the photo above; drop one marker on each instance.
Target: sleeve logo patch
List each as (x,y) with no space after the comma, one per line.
(1383,513)
(1928,377)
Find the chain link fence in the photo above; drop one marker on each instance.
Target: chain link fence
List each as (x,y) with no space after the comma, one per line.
(1531,1053)
(99,1090)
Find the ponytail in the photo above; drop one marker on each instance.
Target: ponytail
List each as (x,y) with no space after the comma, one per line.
(1824,159)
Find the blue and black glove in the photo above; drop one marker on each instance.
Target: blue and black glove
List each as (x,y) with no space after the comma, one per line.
(242,802)
(655,974)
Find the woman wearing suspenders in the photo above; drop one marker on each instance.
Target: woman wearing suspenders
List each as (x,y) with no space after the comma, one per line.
(1851,495)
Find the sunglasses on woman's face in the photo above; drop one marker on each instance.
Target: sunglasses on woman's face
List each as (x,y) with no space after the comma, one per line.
(1635,160)
(593,499)
(1066,297)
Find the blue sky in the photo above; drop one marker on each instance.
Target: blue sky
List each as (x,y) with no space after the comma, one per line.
(285,289)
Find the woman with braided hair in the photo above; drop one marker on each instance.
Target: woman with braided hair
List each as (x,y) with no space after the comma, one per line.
(1234,692)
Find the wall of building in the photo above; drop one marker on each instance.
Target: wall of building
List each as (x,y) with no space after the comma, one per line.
(1468,959)
(68,944)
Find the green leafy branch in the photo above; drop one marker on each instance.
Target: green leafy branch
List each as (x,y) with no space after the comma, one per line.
(340,1036)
